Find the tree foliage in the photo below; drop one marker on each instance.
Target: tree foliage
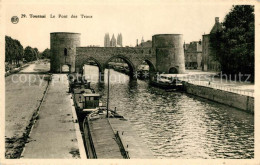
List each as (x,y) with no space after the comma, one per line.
(37,53)
(46,53)
(29,54)
(13,50)
(234,46)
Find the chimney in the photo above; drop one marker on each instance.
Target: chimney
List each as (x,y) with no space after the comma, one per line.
(216,19)
(136,42)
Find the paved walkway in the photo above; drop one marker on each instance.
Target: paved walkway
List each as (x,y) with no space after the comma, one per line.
(203,78)
(54,133)
(37,67)
(22,98)
(30,68)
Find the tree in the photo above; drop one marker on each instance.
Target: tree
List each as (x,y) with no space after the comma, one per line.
(13,50)
(29,54)
(37,53)
(234,46)
(18,51)
(8,49)
(46,53)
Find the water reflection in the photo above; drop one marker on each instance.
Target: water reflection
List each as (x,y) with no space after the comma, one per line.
(177,125)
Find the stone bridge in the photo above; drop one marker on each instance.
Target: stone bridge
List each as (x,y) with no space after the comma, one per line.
(103,55)
(165,56)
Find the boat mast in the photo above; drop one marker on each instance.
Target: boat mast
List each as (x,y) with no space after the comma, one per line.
(108,90)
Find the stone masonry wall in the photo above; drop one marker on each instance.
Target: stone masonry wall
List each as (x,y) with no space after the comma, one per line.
(242,102)
(102,55)
(59,41)
(169,52)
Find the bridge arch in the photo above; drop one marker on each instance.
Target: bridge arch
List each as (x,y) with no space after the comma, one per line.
(132,68)
(152,68)
(173,70)
(100,67)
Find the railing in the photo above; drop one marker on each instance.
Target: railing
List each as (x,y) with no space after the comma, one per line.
(221,87)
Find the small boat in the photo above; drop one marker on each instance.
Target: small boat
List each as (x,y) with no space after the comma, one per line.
(78,82)
(101,112)
(165,83)
(86,100)
(100,139)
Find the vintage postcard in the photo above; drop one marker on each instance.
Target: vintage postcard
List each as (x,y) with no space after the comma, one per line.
(156,82)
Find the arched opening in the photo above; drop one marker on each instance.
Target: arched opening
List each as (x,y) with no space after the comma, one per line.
(121,64)
(65,68)
(145,70)
(92,70)
(173,70)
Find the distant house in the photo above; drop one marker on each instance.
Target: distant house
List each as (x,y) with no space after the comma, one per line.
(193,55)
(146,44)
(208,61)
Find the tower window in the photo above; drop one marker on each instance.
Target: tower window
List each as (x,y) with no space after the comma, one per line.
(65,52)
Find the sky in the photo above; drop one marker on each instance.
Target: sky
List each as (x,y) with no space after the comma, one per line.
(134,20)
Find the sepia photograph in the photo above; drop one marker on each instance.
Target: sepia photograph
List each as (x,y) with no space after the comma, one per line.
(163,82)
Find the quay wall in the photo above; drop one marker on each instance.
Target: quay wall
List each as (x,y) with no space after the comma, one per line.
(239,101)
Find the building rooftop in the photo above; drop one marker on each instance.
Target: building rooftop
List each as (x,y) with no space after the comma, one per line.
(64,33)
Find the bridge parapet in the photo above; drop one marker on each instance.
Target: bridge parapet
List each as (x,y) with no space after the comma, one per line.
(165,56)
(102,55)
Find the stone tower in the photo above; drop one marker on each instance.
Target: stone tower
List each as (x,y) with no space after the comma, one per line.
(63,50)
(169,53)
(119,40)
(113,41)
(107,40)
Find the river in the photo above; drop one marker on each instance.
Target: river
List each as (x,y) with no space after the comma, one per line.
(175,124)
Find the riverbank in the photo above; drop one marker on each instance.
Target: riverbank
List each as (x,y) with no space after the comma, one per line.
(24,94)
(54,134)
(232,99)
(40,66)
(22,100)
(207,85)
(16,70)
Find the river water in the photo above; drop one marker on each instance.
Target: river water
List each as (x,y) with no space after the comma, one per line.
(175,124)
